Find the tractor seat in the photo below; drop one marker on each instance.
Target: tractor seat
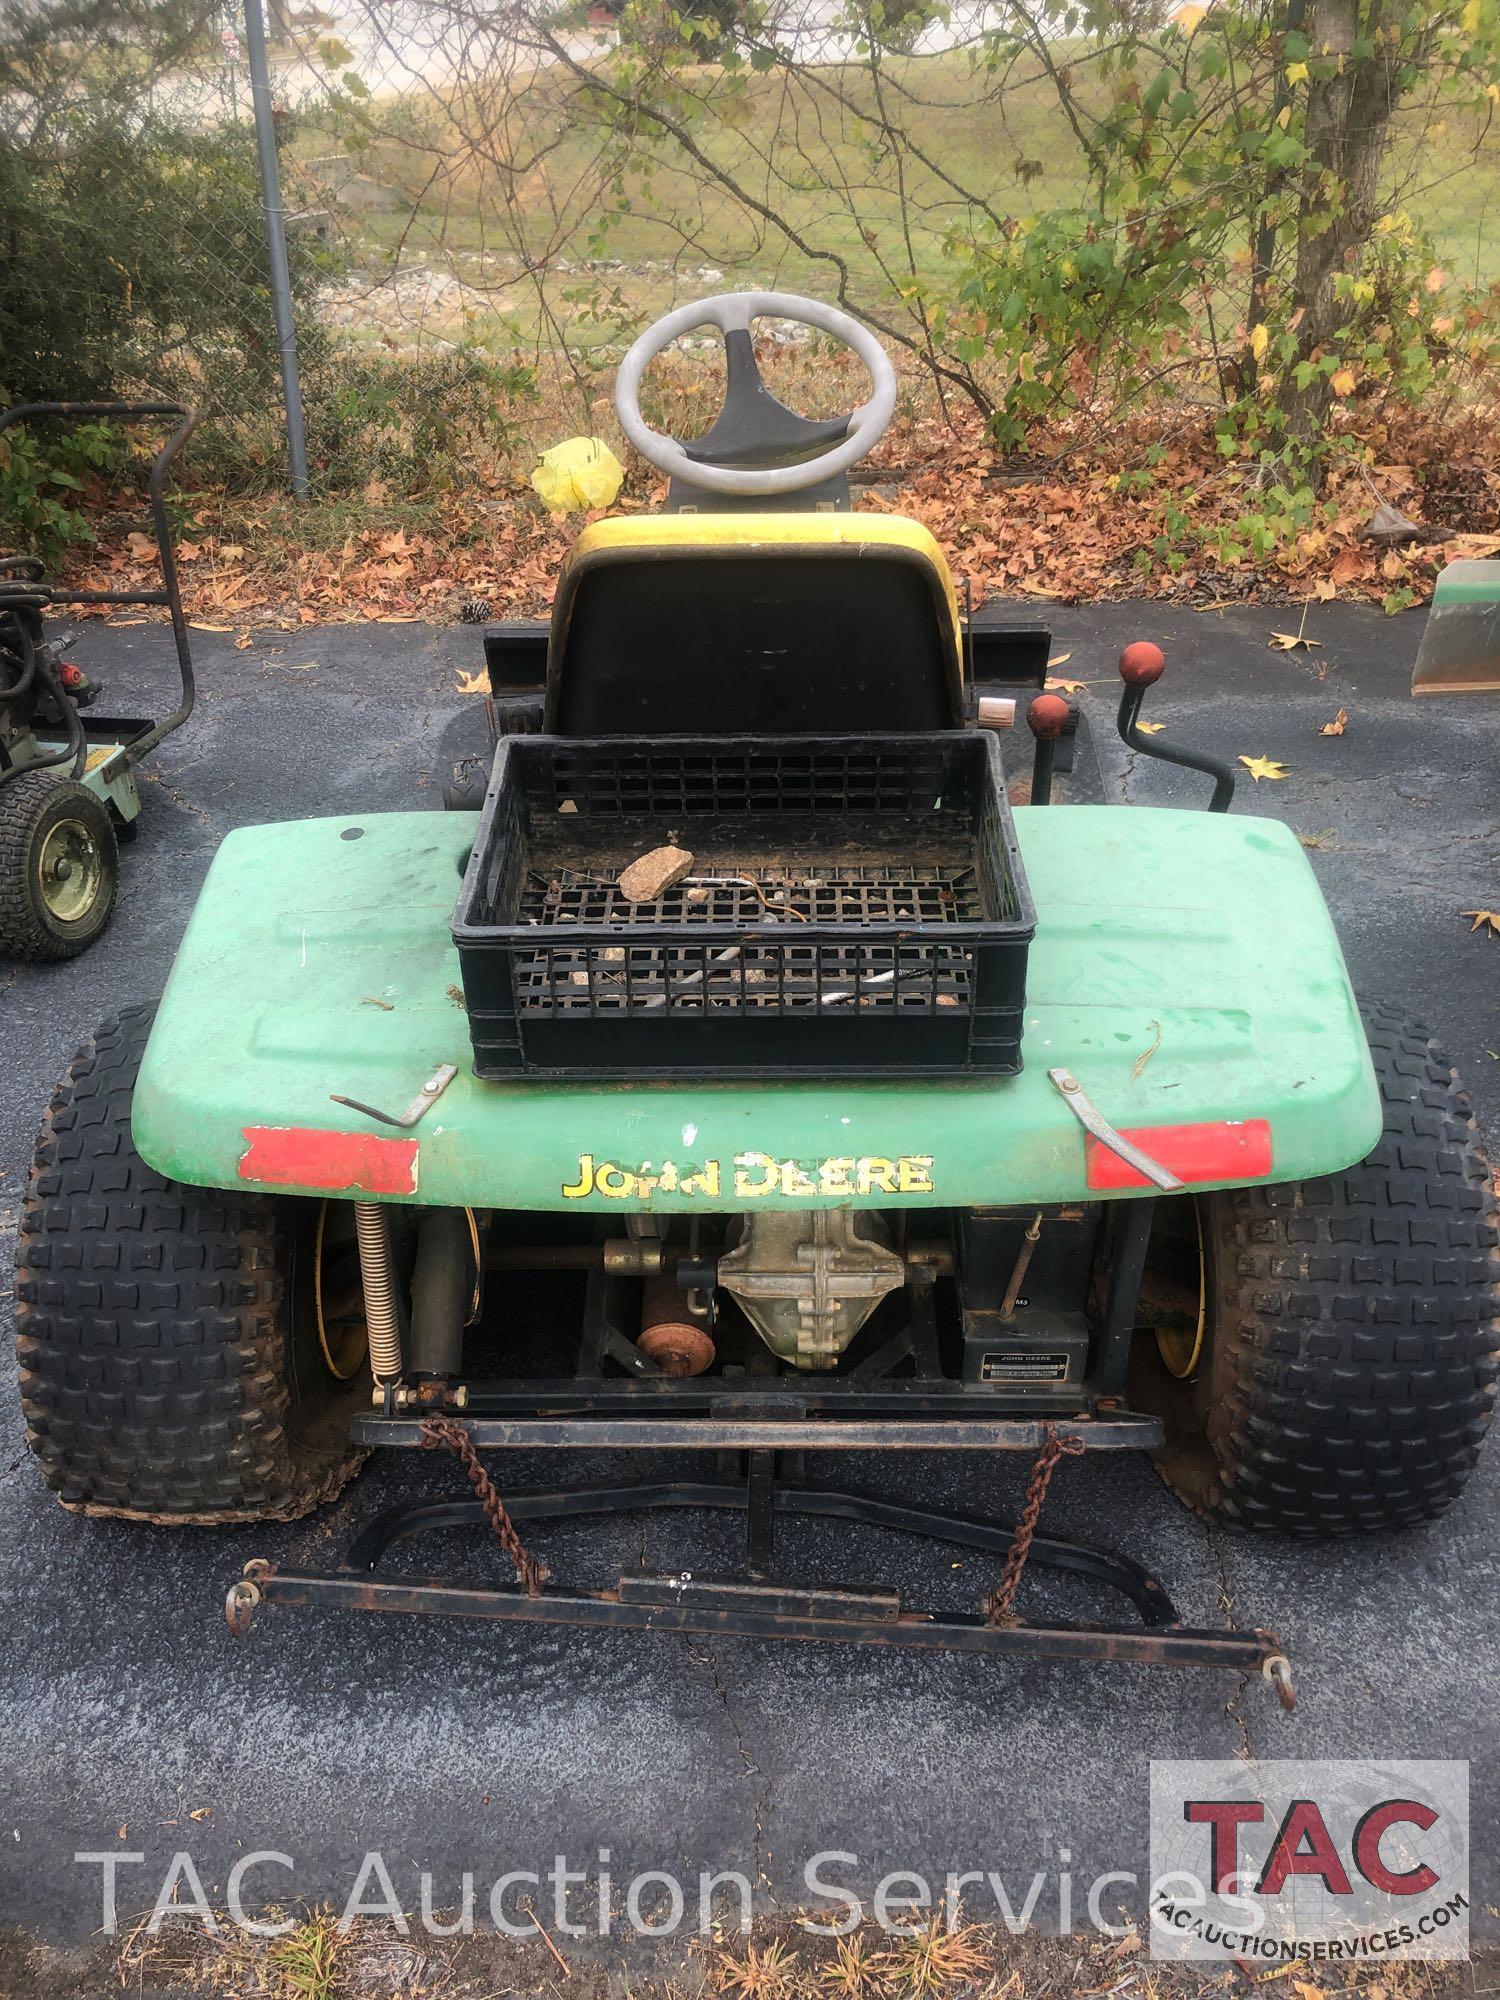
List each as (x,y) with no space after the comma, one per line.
(764,624)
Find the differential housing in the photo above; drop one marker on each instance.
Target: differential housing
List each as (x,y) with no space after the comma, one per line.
(809,1278)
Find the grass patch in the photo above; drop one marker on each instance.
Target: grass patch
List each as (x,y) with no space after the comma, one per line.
(779,1961)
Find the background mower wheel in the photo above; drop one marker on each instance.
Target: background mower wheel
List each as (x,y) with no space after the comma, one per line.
(58,866)
(1325,1353)
(172,1367)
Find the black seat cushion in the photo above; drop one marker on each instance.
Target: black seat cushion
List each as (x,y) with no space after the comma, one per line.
(766,641)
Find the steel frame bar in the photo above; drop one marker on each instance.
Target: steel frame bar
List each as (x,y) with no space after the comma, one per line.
(756,1606)
(748,1429)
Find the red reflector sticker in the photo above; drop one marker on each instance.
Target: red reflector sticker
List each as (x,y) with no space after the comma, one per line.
(1235,1150)
(345,1162)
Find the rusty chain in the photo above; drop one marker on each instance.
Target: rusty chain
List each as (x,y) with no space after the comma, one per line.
(443,1434)
(1000,1607)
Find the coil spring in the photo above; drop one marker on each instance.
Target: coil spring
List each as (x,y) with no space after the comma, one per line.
(372,1229)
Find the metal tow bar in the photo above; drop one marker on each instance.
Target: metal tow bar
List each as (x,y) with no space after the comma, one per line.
(756,1604)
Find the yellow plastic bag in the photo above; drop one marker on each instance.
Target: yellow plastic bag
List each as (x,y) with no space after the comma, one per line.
(577,474)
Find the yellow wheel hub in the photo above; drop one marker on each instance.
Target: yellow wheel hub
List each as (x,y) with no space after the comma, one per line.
(70,871)
(1179,1341)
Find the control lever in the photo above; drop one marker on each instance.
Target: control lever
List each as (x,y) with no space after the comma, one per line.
(1047,718)
(1141,666)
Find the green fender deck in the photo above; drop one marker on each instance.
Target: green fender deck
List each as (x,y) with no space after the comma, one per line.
(1184,968)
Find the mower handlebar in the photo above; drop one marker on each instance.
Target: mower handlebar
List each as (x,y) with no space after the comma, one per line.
(170,593)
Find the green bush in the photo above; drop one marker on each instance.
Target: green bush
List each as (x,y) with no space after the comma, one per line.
(133,262)
(408,419)
(42,473)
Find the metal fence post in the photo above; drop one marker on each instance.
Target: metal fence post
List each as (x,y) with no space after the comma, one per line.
(281,283)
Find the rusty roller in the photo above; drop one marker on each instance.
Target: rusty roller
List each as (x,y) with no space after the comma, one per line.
(676,1343)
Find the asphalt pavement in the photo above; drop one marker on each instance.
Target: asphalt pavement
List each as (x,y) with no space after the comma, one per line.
(134,1722)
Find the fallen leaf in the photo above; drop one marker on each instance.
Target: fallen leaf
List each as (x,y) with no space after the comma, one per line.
(1145,1055)
(1059,659)
(1338,725)
(301,666)
(232,552)
(398,618)
(200,1812)
(473,683)
(242,640)
(1483,918)
(198,625)
(1288,642)
(1264,767)
(1346,568)
(1151,728)
(1325,590)
(1068,687)
(188,551)
(1342,382)
(139,544)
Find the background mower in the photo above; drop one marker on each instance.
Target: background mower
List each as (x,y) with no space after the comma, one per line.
(824,1096)
(67,777)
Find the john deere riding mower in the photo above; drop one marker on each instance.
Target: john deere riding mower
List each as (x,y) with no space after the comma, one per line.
(826,1099)
(67,777)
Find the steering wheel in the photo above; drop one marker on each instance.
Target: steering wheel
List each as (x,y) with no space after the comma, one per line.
(756,445)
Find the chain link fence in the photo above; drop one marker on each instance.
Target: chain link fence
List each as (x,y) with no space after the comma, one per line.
(479,194)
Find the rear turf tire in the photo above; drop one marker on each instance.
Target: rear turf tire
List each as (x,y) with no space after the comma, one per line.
(1347,1373)
(47,822)
(166,1368)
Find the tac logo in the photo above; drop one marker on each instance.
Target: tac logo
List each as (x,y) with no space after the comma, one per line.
(1337,1862)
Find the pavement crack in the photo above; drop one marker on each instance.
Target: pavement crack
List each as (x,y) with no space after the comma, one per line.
(182,803)
(1234,1707)
(1127,774)
(700,1654)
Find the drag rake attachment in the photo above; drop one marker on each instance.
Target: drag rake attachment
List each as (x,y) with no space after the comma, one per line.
(755,1604)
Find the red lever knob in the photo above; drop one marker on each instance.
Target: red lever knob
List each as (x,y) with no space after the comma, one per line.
(1048,716)
(1142,663)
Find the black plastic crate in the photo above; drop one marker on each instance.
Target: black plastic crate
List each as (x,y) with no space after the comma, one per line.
(856,907)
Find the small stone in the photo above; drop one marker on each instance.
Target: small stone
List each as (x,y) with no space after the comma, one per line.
(613,954)
(568,806)
(697,896)
(651,875)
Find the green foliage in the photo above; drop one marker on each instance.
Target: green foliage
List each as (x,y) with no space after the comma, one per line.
(132,261)
(1073,310)
(1208,144)
(43,478)
(408,420)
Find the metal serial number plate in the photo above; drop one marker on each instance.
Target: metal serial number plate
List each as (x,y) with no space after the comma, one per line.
(1024,1367)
